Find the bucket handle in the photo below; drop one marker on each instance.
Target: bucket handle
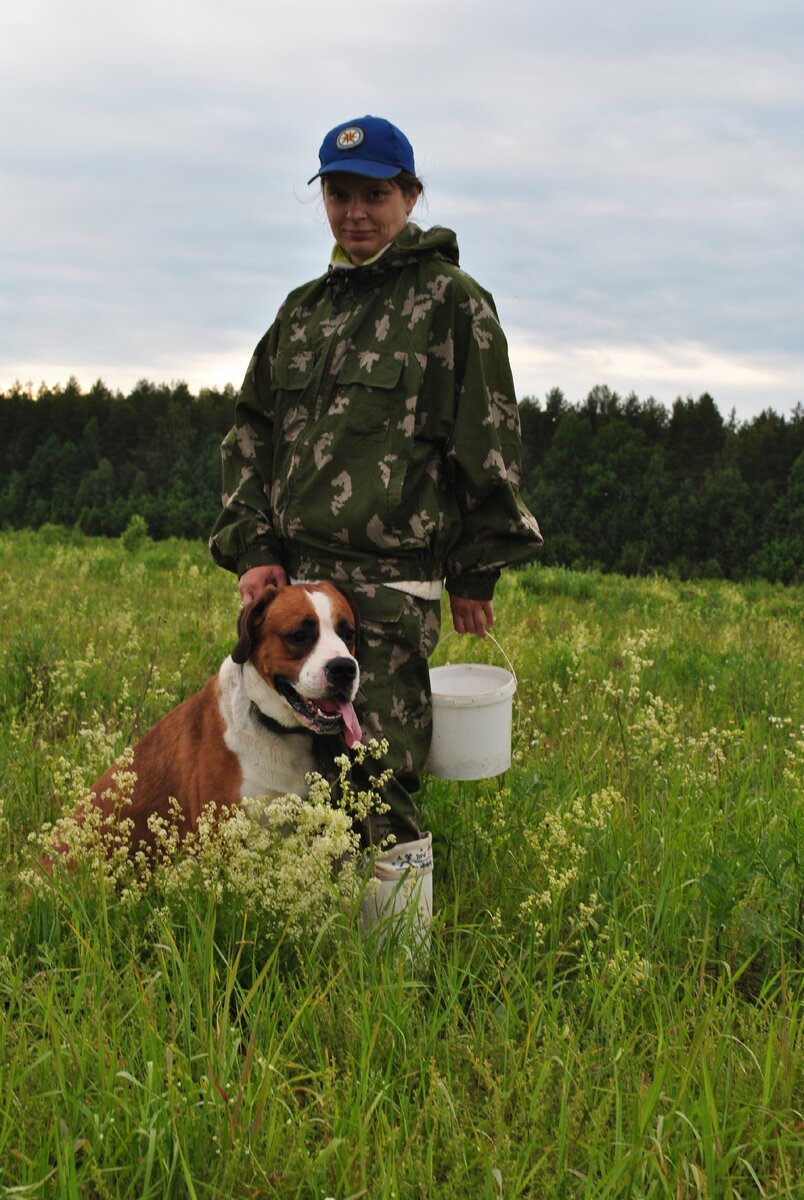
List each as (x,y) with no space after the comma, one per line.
(452,632)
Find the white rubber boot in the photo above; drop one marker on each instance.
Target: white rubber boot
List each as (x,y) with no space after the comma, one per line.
(400,896)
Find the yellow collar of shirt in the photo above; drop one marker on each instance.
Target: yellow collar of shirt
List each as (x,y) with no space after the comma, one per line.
(341,259)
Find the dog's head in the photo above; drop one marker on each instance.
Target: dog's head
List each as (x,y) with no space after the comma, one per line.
(299,642)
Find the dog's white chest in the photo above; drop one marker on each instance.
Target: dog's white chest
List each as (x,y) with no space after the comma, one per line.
(271,764)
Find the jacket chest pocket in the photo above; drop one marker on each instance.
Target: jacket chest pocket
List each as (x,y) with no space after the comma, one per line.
(366,398)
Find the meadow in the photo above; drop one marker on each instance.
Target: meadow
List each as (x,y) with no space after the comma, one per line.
(614,1003)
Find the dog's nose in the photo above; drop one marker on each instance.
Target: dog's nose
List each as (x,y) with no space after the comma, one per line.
(341,672)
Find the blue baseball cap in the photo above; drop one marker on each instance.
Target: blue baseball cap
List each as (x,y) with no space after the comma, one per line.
(368,146)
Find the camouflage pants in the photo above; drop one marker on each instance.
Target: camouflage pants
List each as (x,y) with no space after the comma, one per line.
(397,634)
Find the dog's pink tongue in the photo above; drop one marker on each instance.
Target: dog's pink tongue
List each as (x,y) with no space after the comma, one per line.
(351,724)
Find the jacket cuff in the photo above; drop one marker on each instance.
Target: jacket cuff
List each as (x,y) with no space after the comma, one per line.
(257,556)
(473,587)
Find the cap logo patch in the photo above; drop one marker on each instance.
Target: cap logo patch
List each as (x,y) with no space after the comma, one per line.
(349,139)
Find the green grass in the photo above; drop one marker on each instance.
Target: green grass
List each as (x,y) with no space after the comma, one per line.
(614,1002)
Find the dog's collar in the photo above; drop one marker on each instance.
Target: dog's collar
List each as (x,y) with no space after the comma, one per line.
(274,726)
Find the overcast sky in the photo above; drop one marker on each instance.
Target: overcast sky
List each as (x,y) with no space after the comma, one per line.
(626,178)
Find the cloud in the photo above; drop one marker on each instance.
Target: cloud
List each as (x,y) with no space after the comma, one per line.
(624,180)
(663,371)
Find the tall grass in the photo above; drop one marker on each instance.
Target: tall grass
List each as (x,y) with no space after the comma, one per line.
(614,1001)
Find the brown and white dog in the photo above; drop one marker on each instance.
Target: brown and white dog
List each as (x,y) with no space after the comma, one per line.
(293,673)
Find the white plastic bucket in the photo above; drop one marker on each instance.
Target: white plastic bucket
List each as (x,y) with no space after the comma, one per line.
(472,721)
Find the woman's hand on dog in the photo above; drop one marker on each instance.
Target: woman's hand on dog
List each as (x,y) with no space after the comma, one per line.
(253,582)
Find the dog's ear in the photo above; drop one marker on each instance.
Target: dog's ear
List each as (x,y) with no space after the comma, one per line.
(250,616)
(350,600)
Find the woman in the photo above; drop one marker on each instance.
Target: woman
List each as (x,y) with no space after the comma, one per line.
(376,443)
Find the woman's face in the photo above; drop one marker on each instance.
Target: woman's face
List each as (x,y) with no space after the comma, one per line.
(365,214)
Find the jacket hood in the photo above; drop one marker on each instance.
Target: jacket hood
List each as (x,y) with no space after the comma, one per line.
(414,242)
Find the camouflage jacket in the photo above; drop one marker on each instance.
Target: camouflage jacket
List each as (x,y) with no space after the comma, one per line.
(376,435)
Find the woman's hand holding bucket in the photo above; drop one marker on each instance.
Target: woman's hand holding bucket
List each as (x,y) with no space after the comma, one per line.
(471,616)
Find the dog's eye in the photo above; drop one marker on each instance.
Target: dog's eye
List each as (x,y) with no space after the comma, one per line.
(346,633)
(299,637)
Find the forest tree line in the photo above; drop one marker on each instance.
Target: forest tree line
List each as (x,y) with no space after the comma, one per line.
(620,484)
